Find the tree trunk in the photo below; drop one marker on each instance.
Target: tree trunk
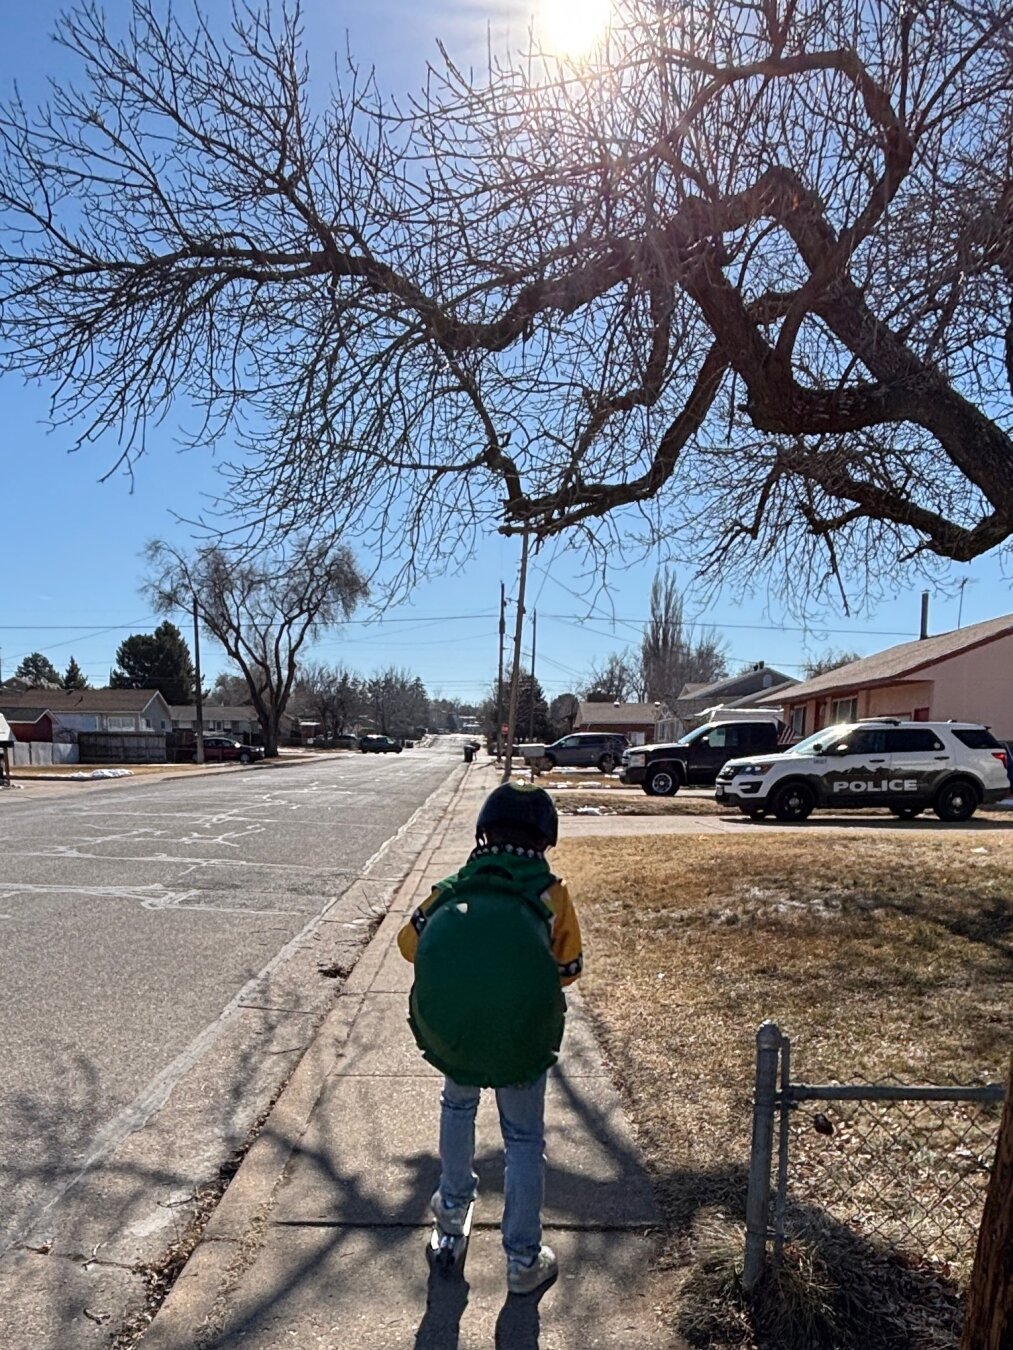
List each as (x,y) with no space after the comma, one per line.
(989,1322)
(270,727)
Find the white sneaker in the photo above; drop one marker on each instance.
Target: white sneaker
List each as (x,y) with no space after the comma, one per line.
(523,1279)
(449,1218)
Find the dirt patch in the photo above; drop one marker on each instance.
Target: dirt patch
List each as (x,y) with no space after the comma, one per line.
(879,956)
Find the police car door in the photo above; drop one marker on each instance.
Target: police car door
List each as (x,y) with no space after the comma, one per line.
(858,769)
(918,761)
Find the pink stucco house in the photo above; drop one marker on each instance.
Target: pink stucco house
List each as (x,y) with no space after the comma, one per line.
(965,675)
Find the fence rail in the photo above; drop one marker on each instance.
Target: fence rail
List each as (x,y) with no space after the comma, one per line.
(904,1166)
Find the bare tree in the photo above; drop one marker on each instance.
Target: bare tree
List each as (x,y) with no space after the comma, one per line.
(398,701)
(262,610)
(616,680)
(831,659)
(336,696)
(229,690)
(670,654)
(563,712)
(747,270)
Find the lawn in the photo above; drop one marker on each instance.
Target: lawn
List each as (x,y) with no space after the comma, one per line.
(879,956)
(638,804)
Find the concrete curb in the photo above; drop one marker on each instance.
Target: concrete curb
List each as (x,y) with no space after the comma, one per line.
(232,1235)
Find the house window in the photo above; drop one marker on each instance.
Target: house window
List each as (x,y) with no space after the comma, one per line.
(798,721)
(844,710)
(115,723)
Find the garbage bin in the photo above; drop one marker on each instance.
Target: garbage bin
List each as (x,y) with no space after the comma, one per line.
(469,753)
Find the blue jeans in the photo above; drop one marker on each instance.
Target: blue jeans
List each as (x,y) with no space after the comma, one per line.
(521,1119)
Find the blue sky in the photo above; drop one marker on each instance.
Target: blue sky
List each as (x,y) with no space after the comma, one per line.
(70,565)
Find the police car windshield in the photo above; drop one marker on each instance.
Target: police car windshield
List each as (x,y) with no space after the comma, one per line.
(828,736)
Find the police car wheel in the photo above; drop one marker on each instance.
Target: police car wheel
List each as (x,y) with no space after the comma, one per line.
(662,783)
(906,812)
(795,801)
(957,800)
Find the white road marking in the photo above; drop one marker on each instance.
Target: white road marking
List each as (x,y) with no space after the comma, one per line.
(156,1093)
(149,897)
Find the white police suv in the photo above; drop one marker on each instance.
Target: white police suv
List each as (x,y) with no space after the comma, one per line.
(951,767)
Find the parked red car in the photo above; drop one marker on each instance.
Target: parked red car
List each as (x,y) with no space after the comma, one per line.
(220,748)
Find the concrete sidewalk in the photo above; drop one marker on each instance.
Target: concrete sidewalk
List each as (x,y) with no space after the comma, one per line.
(319,1241)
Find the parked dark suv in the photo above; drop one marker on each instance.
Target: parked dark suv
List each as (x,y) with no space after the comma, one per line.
(379,745)
(581,750)
(696,760)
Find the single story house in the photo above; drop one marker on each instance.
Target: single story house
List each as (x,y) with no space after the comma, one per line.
(963,675)
(237,720)
(73,710)
(744,689)
(643,723)
(53,721)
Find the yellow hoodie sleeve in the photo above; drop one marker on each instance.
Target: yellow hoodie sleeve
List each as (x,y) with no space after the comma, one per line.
(566,943)
(408,937)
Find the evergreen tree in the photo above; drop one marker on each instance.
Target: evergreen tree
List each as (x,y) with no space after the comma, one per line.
(158,660)
(39,671)
(74,677)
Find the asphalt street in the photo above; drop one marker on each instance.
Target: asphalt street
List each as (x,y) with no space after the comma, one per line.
(166,952)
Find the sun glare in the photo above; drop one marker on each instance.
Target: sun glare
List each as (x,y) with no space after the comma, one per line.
(572,27)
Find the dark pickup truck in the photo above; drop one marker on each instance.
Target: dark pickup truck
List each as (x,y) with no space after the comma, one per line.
(696,760)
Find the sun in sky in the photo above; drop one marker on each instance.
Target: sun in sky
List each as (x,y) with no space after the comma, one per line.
(572,27)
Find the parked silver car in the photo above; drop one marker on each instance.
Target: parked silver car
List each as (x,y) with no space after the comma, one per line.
(582,750)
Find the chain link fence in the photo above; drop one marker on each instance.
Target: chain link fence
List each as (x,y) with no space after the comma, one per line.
(904,1169)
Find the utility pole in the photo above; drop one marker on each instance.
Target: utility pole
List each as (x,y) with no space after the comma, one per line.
(515,674)
(200,693)
(534,634)
(499,683)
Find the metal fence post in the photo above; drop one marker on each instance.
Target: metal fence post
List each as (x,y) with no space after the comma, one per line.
(768,1045)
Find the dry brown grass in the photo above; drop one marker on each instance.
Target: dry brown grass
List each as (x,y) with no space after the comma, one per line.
(878,955)
(626,804)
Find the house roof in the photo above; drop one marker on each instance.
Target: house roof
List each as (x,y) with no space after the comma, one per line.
(627,714)
(898,662)
(22,715)
(79,700)
(688,690)
(776,692)
(750,680)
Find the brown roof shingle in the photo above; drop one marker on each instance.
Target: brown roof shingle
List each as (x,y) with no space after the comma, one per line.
(899,662)
(627,714)
(80,700)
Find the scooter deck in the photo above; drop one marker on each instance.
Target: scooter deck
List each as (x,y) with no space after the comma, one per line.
(446,1251)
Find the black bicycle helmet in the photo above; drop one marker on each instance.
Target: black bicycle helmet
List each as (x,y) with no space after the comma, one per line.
(520,806)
